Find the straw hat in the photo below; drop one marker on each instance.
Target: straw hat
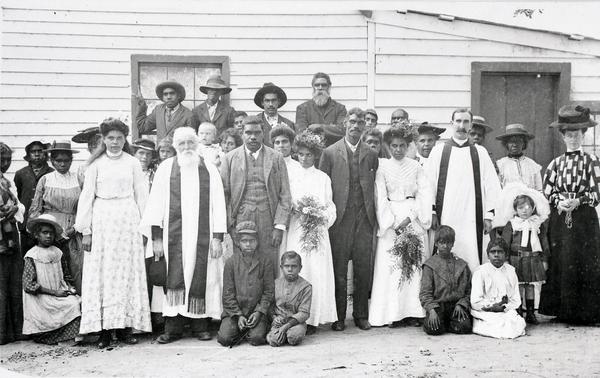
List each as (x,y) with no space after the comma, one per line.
(481,122)
(45,219)
(515,129)
(61,145)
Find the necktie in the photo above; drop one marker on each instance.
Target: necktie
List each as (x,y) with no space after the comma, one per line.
(169,113)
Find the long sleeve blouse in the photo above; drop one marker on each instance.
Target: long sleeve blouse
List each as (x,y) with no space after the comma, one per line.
(573,172)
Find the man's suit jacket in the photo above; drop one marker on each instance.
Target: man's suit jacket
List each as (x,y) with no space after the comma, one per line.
(266,127)
(223,118)
(309,113)
(334,162)
(233,173)
(156,120)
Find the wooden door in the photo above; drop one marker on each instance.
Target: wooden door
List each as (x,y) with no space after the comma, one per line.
(526,98)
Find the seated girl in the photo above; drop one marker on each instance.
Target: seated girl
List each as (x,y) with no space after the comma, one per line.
(445,288)
(51,308)
(495,296)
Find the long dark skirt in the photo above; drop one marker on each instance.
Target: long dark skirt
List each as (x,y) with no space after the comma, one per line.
(572,290)
(11,297)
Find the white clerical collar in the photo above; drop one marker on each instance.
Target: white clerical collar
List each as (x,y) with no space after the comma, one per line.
(253,154)
(113,155)
(174,109)
(352,147)
(460,142)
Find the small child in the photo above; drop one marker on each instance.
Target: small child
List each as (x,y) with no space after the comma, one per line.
(207,134)
(238,120)
(445,288)
(8,229)
(165,149)
(51,308)
(525,234)
(293,295)
(248,290)
(495,296)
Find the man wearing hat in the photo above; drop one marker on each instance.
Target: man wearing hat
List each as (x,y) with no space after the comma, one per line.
(257,188)
(427,136)
(465,187)
(169,115)
(26,180)
(321,109)
(187,217)
(516,167)
(214,110)
(270,98)
(479,130)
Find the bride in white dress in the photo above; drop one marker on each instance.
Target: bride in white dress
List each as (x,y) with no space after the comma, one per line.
(402,200)
(317,264)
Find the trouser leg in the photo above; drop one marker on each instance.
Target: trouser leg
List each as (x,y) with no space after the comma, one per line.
(199,325)
(361,251)
(174,325)
(228,331)
(464,326)
(441,328)
(296,334)
(340,257)
(257,335)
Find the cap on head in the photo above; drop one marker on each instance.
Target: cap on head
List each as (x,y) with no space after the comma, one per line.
(246,227)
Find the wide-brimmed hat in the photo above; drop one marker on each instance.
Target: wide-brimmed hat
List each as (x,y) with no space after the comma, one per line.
(48,219)
(179,89)
(61,145)
(84,136)
(481,122)
(215,82)
(270,88)
(515,129)
(144,144)
(425,127)
(573,117)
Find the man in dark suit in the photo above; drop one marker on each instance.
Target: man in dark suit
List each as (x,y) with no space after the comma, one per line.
(321,109)
(352,165)
(270,98)
(169,115)
(214,110)
(257,189)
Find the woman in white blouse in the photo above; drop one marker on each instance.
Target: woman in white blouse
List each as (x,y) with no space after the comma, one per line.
(114,292)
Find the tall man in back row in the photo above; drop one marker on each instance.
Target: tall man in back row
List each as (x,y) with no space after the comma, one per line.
(466,187)
(352,165)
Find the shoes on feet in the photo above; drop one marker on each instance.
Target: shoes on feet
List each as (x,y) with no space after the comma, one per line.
(362,324)
(338,326)
(204,336)
(105,339)
(165,338)
(311,330)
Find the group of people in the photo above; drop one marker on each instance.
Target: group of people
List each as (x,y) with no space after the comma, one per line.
(253,220)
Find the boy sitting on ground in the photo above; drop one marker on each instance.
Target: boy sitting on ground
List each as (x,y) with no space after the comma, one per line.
(291,309)
(248,288)
(445,288)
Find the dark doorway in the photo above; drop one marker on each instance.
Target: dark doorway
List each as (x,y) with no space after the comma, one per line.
(526,93)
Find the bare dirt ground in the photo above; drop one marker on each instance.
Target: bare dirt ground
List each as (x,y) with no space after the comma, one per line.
(549,350)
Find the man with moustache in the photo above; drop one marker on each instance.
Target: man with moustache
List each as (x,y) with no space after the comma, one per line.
(169,115)
(427,136)
(351,165)
(214,110)
(465,186)
(257,189)
(187,217)
(321,109)
(270,98)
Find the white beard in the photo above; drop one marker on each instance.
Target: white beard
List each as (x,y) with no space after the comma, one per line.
(188,158)
(321,99)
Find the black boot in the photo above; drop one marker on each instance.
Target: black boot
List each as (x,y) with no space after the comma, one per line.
(105,338)
(530,317)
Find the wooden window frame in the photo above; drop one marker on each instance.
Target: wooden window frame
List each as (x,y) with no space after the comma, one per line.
(137,59)
(563,70)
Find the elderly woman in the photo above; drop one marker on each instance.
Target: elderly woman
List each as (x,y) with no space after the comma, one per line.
(571,184)
(57,194)
(403,207)
(312,243)
(11,262)
(114,293)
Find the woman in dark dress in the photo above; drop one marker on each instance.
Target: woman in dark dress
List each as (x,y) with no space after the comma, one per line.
(571,184)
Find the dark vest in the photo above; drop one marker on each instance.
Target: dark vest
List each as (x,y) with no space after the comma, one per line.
(255,192)
(355,194)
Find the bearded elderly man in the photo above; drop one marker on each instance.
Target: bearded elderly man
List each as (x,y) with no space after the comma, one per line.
(186,214)
(322,110)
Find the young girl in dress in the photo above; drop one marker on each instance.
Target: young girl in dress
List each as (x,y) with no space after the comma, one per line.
(50,305)
(526,235)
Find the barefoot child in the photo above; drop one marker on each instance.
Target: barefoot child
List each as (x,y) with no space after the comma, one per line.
(51,306)
(293,295)
(248,290)
(445,288)
(495,296)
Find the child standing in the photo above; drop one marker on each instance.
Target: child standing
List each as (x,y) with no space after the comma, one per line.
(526,235)
(51,308)
(445,288)
(495,296)
(248,290)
